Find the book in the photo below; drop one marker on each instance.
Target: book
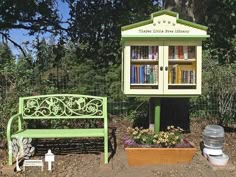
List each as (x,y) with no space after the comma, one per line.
(153,52)
(182,76)
(180,52)
(132,53)
(149,52)
(171,52)
(194,77)
(136,74)
(146,52)
(156,52)
(151,75)
(174,74)
(176,52)
(142,74)
(178,69)
(132,74)
(169,75)
(148,73)
(191,77)
(185,50)
(191,52)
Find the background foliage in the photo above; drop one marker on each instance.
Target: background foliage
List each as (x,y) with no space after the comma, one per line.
(83,53)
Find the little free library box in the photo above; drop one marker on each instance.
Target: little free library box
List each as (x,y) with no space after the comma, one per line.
(162,56)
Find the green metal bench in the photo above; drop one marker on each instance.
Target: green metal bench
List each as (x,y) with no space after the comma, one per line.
(59,106)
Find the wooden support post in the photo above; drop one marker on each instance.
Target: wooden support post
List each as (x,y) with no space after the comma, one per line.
(157,115)
(154,114)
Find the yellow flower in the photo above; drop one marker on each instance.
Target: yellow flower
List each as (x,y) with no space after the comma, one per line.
(135,133)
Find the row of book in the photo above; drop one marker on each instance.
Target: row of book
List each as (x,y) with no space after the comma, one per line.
(181,75)
(144,52)
(141,74)
(182,52)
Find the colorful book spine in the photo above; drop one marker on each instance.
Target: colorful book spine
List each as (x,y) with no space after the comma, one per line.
(180,52)
(153,52)
(148,73)
(132,74)
(194,77)
(169,75)
(191,52)
(182,76)
(185,48)
(178,74)
(171,52)
(132,53)
(157,53)
(176,52)
(141,68)
(151,74)
(149,52)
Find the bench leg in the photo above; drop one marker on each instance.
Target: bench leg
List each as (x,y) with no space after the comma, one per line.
(9,153)
(106,149)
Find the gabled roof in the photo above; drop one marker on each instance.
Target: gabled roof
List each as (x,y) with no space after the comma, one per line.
(164,12)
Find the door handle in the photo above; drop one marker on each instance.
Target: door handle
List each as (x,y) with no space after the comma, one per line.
(161,68)
(166,68)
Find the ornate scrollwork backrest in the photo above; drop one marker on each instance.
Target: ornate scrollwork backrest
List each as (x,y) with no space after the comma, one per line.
(67,106)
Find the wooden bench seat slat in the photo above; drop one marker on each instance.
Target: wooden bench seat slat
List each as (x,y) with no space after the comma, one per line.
(59,133)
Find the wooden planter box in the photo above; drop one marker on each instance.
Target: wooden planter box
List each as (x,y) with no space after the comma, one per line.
(151,156)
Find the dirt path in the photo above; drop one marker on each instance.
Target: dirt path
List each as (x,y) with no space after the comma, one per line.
(88,165)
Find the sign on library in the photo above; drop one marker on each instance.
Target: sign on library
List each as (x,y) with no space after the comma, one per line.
(163,31)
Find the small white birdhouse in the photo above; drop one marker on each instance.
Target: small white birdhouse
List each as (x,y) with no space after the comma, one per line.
(49,157)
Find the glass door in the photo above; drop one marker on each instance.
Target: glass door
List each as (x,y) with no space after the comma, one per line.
(181,68)
(142,62)
(144,72)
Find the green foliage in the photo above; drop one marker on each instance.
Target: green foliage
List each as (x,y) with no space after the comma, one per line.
(219,91)
(95,27)
(32,15)
(221,20)
(88,60)
(138,113)
(7,85)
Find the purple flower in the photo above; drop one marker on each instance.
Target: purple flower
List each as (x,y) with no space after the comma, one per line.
(129,142)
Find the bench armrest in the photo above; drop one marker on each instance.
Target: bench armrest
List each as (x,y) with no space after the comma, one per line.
(9,125)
